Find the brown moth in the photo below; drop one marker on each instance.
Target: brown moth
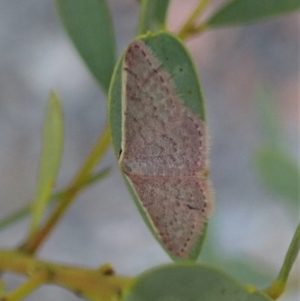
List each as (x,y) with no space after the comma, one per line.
(164,151)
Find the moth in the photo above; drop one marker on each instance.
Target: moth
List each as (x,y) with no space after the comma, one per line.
(164,151)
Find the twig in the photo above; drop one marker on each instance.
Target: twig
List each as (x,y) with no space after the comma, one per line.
(94,284)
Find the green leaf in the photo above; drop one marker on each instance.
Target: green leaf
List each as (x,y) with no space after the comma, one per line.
(187,282)
(238,12)
(279,173)
(152,15)
(177,62)
(89,26)
(51,151)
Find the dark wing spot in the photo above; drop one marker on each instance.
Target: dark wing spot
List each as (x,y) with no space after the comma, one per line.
(191,207)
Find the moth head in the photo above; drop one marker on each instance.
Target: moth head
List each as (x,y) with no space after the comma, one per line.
(125,165)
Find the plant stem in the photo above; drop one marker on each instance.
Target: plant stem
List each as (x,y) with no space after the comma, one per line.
(277,287)
(24,211)
(290,256)
(189,27)
(33,241)
(94,284)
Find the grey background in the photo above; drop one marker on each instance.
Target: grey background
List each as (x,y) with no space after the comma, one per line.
(103,224)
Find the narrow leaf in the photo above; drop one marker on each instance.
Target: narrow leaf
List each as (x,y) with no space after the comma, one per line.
(152,15)
(236,12)
(89,26)
(51,151)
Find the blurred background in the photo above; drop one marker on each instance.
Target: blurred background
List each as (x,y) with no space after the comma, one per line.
(250,228)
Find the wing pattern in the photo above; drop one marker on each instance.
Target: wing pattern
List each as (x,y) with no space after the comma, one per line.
(164,151)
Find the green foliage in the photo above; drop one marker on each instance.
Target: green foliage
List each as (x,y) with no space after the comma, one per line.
(152,15)
(236,12)
(190,282)
(51,151)
(89,26)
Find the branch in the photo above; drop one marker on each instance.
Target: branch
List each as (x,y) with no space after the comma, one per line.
(93,284)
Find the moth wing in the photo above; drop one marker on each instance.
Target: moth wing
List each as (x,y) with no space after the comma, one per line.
(160,135)
(176,207)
